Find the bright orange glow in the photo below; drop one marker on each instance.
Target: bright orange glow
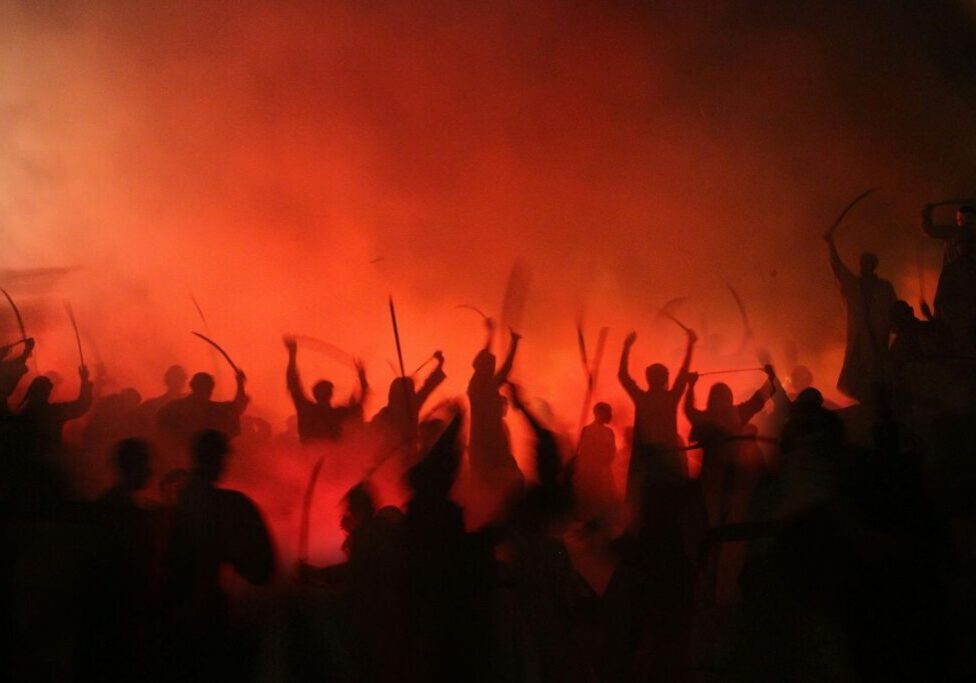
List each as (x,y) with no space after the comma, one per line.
(291,166)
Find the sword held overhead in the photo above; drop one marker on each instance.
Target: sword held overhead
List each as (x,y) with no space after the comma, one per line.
(396,337)
(847,208)
(74,324)
(676,321)
(230,361)
(324,347)
(20,320)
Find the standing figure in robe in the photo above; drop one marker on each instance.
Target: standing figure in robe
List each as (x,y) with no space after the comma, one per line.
(868,299)
(493,468)
(955,297)
(594,475)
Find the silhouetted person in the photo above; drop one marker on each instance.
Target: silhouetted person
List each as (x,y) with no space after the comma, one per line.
(493,468)
(955,296)
(656,448)
(42,422)
(594,462)
(398,419)
(868,300)
(372,586)
(216,527)
(915,340)
(12,370)
(121,638)
(184,417)
(319,420)
(720,429)
(147,414)
(723,430)
(131,460)
(811,423)
(923,383)
(543,585)
(449,571)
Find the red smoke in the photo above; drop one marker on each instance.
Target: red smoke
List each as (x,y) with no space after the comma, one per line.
(291,164)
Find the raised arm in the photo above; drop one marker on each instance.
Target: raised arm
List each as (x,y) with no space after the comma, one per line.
(623,373)
(433,380)
(781,400)
(502,375)
(292,379)
(240,398)
(932,230)
(691,411)
(681,381)
(28,347)
(548,462)
(756,402)
(73,409)
(841,271)
(363,384)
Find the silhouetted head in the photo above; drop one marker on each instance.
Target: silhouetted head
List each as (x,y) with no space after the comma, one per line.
(401,390)
(38,391)
(175,379)
(808,399)
(210,448)
(901,315)
(202,385)
(719,397)
(131,458)
(602,413)
(322,391)
(869,264)
(484,362)
(360,506)
(129,399)
(657,376)
(965,215)
(801,378)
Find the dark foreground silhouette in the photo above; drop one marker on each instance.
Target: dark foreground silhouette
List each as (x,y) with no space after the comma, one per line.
(791,551)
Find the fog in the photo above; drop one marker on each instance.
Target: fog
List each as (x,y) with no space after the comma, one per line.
(290,165)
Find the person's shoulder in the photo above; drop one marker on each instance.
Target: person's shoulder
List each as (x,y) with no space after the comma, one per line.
(236,504)
(234,497)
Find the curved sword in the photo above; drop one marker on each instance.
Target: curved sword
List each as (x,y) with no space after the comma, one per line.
(20,320)
(848,208)
(324,347)
(74,324)
(223,353)
(473,308)
(746,327)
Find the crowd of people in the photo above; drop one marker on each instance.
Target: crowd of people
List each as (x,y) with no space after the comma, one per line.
(766,544)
